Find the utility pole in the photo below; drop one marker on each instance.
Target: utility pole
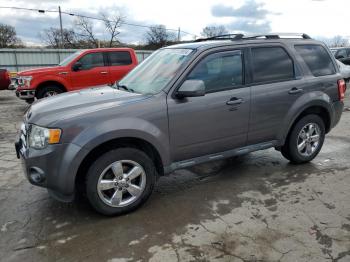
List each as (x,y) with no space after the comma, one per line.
(61,27)
(179,35)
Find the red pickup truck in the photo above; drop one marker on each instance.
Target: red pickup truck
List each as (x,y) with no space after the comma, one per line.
(85,68)
(5,79)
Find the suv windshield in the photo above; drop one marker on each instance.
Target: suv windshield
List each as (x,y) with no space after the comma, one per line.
(152,75)
(70,58)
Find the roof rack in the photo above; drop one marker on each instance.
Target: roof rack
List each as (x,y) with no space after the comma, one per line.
(279,36)
(252,37)
(222,37)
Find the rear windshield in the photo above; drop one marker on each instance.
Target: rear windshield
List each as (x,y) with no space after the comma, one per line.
(317,59)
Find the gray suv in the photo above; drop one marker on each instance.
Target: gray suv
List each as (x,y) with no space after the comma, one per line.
(186,104)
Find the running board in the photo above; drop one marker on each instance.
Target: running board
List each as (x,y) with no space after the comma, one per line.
(218,156)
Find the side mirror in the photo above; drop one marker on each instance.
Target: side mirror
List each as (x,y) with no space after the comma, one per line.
(191,88)
(77,66)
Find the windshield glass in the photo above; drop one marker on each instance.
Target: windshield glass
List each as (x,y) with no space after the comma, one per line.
(70,58)
(153,74)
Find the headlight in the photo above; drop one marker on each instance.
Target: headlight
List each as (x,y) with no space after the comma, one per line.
(40,137)
(24,81)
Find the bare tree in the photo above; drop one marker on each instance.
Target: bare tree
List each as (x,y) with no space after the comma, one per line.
(8,36)
(112,25)
(85,31)
(211,31)
(337,41)
(157,36)
(52,37)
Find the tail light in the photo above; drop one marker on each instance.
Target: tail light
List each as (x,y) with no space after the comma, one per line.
(341,89)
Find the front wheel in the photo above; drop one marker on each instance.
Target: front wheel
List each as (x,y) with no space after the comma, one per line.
(305,140)
(48,91)
(120,181)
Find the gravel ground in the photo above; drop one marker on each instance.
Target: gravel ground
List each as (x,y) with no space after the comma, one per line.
(253,208)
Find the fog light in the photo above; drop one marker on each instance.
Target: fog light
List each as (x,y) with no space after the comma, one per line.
(36,175)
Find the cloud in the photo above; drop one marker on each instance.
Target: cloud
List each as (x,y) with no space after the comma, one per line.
(249,9)
(251,17)
(249,26)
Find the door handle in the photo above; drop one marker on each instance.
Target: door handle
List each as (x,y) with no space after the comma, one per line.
(234,101)
(295,90)
(103,72)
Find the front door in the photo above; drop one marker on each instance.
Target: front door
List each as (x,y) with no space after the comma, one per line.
(217,121)
(93,72)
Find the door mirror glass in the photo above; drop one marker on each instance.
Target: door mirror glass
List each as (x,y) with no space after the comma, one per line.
(77,66)
(191,88)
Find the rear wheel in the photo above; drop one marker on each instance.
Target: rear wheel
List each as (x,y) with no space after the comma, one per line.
(48,91)
(120,181)
(305,140)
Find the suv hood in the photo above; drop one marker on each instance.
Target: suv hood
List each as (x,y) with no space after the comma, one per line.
(68,105)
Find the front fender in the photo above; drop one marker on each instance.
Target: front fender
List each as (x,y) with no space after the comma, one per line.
(300,105)
(112,129)
(48,78)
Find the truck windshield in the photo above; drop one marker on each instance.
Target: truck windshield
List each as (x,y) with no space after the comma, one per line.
(70,58)
(152,75)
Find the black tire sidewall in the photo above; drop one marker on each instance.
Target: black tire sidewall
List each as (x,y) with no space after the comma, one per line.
(105,160)
(49,88)
(292,150)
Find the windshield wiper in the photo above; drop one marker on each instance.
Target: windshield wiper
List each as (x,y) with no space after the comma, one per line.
(125,88)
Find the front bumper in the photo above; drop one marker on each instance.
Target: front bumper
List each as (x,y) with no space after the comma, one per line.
(25,93)
(54,167)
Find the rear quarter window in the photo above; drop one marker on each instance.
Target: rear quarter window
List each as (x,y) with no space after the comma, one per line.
(317,59)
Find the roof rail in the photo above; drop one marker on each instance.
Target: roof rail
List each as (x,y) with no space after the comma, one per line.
(279,36)
(222,37)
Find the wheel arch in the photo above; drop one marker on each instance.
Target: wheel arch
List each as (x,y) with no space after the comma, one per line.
(316,109)
(115,143)
(47,83)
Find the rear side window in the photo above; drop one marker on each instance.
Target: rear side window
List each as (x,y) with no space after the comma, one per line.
(271,64)
(91,60)
(317,59)
(119,58)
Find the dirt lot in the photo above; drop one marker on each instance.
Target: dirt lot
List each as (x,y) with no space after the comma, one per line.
(253,208)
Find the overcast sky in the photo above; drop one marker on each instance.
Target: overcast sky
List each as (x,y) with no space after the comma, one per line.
(319,18)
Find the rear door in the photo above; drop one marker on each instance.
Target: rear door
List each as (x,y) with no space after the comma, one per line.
(93,72)
(120,63)
(275,88)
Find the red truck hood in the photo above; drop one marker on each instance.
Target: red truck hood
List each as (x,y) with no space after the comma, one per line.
(42,70)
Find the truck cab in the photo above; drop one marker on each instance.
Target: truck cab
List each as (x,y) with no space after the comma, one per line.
(83,69)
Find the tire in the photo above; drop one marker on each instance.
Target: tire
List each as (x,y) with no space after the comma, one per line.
(30,101)
(47,91)
(116,199)
(304,134)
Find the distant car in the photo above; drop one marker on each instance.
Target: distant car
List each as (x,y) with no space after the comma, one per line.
(83,69)
(5,79)
(345,71)
(342,54)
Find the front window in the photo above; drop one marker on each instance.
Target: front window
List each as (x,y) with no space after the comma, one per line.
(70,58)
(152,75)
(219,71)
